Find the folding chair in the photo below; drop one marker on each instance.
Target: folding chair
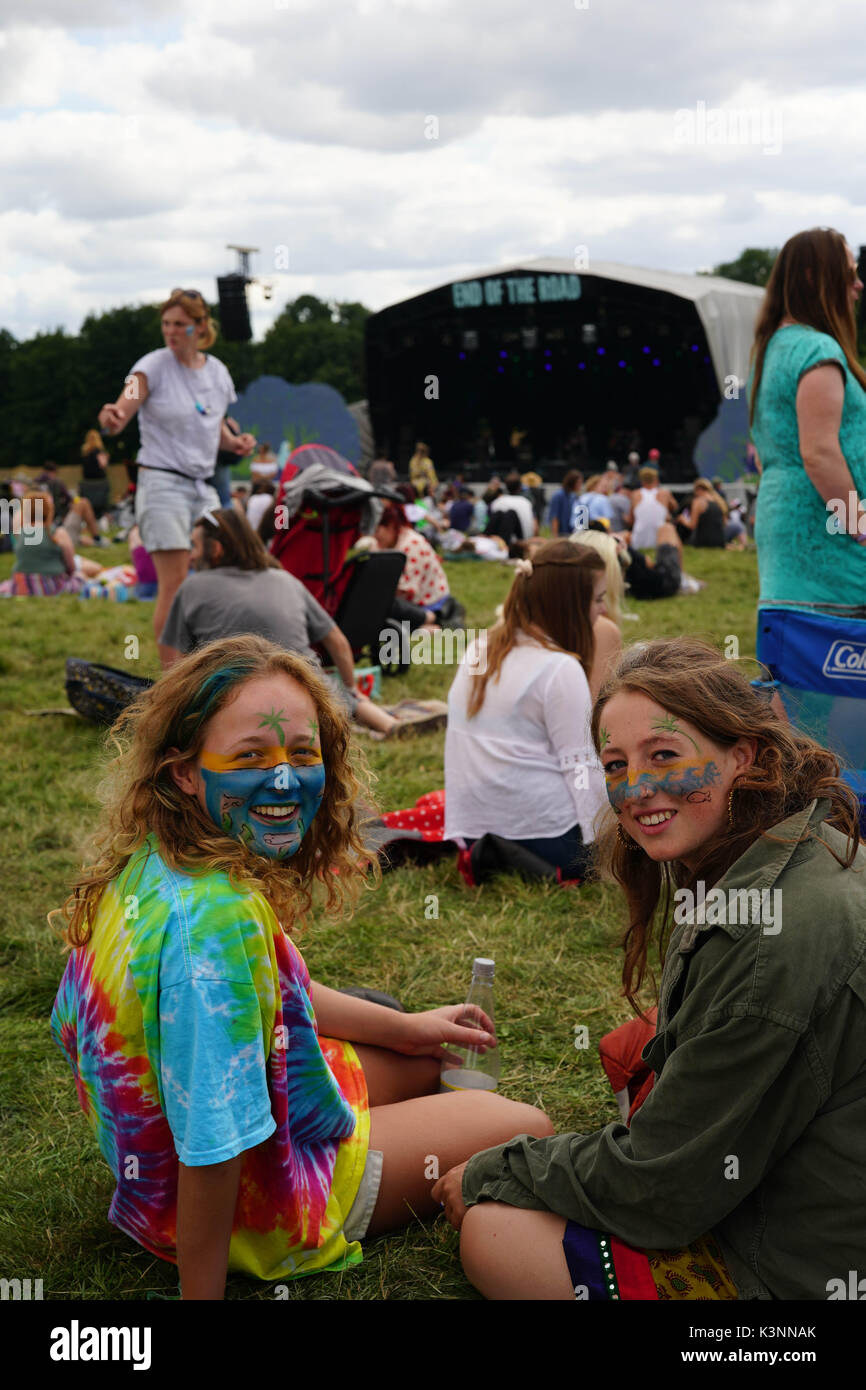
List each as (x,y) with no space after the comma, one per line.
(820,665)
(368,597)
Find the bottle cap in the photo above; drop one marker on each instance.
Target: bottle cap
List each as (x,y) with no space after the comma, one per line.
(484,967)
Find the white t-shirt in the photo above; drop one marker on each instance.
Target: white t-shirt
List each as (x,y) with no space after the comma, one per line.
(517,768)
(649,513)
(257,506)
(522,506)
(174,434)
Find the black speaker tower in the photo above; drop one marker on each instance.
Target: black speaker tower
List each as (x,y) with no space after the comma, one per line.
(234,314)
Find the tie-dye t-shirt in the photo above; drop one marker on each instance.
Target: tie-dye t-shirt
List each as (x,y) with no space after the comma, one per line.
(189,1027)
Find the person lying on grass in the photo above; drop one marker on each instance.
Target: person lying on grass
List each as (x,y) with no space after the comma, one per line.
(255,1121)
(741,1175)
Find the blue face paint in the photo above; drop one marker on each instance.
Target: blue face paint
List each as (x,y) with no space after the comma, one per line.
(239,800)
(685,779)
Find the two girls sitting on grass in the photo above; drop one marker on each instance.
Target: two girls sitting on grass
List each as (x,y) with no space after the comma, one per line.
(254,1121)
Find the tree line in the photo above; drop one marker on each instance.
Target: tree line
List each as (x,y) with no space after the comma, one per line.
(53,385)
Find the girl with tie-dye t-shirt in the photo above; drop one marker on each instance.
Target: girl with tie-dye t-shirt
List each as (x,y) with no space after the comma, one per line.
(254,1121)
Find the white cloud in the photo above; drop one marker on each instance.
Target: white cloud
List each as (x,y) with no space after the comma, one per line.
(132,151)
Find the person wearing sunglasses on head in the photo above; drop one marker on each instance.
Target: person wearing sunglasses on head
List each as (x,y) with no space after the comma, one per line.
(181,394)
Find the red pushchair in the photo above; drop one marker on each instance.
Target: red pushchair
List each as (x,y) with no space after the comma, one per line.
(322,508)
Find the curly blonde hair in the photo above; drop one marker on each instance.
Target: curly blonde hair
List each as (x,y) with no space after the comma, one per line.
(167,725)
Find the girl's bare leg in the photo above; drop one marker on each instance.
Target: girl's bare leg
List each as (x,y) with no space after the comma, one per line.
(172,567)
(392,1077)
(422,1138)
(84,508)
(508,1253)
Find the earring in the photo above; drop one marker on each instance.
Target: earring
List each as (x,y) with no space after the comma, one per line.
(731,806)
(624,839)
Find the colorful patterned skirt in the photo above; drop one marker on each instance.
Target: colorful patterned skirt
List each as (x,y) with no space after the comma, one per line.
(603,1267)
(39,585)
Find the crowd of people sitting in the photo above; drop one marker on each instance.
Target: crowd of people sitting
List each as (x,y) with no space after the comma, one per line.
(655,766)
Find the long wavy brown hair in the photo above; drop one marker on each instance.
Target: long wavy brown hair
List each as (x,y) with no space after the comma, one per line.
(693,681)
(551,605)
(140,795)
(810,282)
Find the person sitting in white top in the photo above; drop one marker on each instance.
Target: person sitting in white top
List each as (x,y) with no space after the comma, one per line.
(519,761)
(651,507)
(261,498)
(514,501)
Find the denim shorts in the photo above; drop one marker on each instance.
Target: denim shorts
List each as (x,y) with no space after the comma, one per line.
(167,507)
(357,1223)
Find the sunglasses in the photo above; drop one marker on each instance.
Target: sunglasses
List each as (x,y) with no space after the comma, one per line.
(194,294)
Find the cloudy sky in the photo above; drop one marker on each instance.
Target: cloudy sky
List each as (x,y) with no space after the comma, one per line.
(380,147)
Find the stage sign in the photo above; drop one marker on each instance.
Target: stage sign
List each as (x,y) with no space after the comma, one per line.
(515,289)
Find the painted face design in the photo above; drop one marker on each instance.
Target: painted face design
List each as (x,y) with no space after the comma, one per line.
(688,779)
(266,797)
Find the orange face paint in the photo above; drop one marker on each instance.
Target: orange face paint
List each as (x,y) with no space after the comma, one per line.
(271,756)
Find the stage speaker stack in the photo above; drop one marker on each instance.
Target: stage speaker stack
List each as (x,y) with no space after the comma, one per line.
(234,314)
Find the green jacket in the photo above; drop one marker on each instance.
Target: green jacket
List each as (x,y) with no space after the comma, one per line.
(756,1125)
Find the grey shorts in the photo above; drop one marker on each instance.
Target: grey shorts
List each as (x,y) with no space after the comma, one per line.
(357,1222)
(168,506)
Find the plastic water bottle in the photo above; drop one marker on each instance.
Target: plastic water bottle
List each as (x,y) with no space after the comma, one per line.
(471,1068)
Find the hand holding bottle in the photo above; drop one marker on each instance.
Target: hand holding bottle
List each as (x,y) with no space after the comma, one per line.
(433,1032)
(473,1067)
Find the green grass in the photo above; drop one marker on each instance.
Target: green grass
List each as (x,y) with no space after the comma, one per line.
(555,949)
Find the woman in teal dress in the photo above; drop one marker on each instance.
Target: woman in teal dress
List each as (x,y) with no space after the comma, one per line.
(807,395)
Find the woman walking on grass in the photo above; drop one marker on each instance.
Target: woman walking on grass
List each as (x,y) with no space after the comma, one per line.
(255,1121)
(741,1174)
(181,395)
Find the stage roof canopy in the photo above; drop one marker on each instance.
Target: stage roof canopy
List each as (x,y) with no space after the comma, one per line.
(727,308)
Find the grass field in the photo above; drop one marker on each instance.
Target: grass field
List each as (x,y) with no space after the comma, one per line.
(555,949)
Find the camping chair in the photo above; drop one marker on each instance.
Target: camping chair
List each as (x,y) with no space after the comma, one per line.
(820,665)
(329,507)
(368,597)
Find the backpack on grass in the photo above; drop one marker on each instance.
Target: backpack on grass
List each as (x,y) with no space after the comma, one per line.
(101,693)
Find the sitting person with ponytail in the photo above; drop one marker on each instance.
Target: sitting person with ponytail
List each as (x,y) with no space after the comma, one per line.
(741,1174)
(519,763)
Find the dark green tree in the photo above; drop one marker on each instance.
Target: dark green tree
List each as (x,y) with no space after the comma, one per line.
(752,266)
(314,341)
(53,385)
(110,344)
